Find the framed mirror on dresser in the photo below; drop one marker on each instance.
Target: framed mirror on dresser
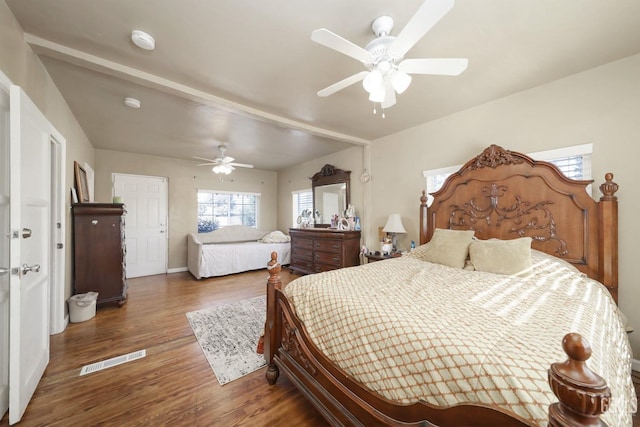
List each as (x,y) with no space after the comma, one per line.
(331,194)
(322,248)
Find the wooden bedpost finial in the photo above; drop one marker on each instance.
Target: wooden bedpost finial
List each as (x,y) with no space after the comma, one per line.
(273,266)
(583,394)
(608,188)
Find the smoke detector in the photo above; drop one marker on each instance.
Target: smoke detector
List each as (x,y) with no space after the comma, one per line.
(132,102)
(143,40)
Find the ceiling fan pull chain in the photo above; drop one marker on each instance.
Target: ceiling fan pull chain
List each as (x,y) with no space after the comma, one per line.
(383,116)
(374,108)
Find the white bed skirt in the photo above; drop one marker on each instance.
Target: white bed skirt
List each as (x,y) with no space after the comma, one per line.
(220,259)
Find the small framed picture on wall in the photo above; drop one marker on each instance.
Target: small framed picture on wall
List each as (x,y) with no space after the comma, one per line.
(82,187)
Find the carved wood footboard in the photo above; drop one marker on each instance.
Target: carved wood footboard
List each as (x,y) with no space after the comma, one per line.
(583,395)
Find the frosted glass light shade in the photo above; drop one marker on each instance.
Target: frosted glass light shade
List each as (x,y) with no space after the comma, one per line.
(372,81)
(394,224)
(400,81)
(378,94)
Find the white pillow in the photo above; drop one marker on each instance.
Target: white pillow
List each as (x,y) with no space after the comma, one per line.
(232,233)
(501,256)
(448,247)
(276,236)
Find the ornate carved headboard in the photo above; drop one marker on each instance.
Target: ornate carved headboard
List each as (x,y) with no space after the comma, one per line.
(504,194)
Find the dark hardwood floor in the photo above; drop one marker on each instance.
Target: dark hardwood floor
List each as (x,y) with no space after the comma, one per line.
(174,384)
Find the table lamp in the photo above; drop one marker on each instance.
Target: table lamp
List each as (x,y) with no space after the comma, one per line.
(394,226)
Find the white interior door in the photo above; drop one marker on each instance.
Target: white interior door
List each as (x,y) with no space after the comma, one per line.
(4,251)
(30,249)
(146,230)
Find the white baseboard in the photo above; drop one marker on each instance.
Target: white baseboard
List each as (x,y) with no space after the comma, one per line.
(635,365)
(177,270)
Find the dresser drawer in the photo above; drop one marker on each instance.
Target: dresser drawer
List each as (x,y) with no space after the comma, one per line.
(301,265)
(302,254)
(327,258)
(328,245)
(302,243)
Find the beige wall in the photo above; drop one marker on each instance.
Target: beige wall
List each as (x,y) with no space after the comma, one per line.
(24,68)
(185,178)
(298,178)
(600,106)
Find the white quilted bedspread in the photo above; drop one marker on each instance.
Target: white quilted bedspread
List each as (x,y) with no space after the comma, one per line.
(411,330)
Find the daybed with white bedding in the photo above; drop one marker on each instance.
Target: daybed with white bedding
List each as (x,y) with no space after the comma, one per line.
(234,249)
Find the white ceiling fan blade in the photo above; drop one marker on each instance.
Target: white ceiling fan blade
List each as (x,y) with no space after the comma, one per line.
(208,164)
(389,97)
(204,158)
(440,66)
(424,19)
(226,159)
(240,165)
(329,90)
(335,42)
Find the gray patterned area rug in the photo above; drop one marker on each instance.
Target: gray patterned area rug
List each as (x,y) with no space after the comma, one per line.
(228,335)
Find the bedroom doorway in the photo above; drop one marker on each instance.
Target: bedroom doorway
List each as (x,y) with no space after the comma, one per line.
(146,222)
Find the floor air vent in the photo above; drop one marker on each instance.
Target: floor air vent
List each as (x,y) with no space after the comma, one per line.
(114,361)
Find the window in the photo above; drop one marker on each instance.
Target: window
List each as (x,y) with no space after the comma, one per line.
(574,162)
(302,200)
(218,209)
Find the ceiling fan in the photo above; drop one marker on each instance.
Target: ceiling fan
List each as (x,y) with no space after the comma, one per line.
(222,164)
(388,71)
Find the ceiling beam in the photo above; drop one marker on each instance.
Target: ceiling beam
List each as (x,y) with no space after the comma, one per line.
(82,59)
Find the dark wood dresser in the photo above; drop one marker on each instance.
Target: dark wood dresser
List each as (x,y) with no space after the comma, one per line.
(99,251)
(314,250)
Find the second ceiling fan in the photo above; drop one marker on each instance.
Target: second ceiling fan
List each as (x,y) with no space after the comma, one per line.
(222,163)
(388,72)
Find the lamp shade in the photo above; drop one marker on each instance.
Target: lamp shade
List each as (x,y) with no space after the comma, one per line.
(394,224)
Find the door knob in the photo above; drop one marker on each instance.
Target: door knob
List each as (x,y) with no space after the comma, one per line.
(3,270)
(27,268)
(26,233)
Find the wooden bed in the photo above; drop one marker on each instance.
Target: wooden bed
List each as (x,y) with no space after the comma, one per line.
(498,194)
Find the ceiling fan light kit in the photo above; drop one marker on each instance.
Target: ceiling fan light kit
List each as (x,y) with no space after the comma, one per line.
(388,73)
(222,169)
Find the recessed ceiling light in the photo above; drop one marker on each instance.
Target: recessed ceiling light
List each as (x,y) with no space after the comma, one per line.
(132,102)
(143,40)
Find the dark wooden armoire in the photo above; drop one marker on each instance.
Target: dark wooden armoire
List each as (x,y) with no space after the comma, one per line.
(99,251)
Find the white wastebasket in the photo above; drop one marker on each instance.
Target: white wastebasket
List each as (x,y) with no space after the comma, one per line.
(82,306)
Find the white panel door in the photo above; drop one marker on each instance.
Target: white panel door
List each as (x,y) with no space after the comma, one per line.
(4,251)
(30,249)
(146,203)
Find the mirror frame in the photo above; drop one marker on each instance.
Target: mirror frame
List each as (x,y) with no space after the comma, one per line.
(329,175)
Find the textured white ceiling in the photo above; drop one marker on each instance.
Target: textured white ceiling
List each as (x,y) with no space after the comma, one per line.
(246,72)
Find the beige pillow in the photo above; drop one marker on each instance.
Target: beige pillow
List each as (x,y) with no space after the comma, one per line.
(501,256)
(449,247)
(275,236)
